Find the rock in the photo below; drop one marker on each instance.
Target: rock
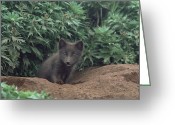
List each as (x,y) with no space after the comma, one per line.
(107,82)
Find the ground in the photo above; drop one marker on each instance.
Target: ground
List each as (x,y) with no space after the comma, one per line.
(119,81)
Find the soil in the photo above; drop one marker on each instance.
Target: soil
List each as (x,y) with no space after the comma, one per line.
(119,81)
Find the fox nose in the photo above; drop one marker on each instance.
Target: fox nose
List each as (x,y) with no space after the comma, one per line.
(68,63)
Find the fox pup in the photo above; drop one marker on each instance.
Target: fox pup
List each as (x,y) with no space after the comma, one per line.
(59,67)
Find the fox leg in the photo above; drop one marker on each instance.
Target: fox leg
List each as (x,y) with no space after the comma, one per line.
(56,79)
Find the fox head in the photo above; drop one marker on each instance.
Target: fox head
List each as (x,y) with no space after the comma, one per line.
(70,53)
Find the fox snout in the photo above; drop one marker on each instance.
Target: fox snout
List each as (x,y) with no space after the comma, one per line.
(68,61)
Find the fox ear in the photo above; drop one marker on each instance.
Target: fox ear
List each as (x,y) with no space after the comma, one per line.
(79,45)
(62,43)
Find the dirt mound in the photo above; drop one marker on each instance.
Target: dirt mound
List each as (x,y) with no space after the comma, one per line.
(107,82)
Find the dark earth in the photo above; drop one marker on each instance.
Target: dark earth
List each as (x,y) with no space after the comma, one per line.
(110,82)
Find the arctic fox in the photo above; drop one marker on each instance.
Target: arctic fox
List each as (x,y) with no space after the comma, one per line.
(59,67)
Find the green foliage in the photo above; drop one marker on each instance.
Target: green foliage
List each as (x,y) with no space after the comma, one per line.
(124,21)
(104,48)
(11,92)
(109,30)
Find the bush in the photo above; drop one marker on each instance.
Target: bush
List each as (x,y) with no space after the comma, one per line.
(109,30)
(11,92)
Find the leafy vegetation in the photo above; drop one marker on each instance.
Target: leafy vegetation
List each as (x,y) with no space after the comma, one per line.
(11,92)
(109,30)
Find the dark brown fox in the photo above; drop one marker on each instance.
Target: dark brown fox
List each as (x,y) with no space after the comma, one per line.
(59,67)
